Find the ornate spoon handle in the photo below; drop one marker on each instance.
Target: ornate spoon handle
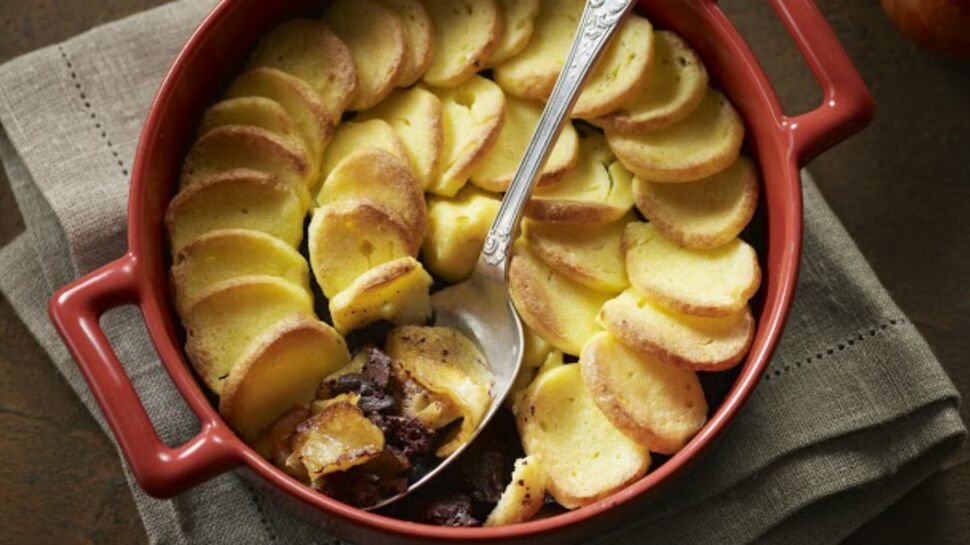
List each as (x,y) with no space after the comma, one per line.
(600,20)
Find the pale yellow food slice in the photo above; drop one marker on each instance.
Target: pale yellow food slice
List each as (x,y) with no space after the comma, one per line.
(597,190)
(311,51)
(259,112)
(456,232)
(416,116)
(585,458)
(433,410)
(473,116)
(703,214)
(349,238)
(622,71)
(496,169)
(657,405)
(518,18)
(713,283)
(589,254)
(523,497)
(562,310)
(281,369)
(237,199)
(448,364)
(701,145)
(336,439)
(376,38)
(419,31)
(537,351)
(691,342)
(396,291)
(674,88)
(230,253)
(466,34)
(353,135)
(224,320)
(240,147)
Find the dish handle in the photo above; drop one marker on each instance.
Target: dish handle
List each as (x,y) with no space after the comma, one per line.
(847,106)
(161,471)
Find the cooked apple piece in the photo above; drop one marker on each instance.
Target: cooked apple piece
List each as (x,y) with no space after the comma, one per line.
(523,497)
(281,368)
(657,405)
(518,17)
(396,291)
(448,364)
(336,439)
(419,34)
(225,319)
(376,38)
(230,253)
(434,411)
(351,237)
(320,405)
(589,254)
(311,51)
(597,190)
(562,310)
(557,410)
(274,443)
(259,112)
(701,145)
(674,88)
(691,342)
(713,283)
(466,34)
(703,214)
(384,178)
(415,115)
(351,136)
(473,115)
(496,169)
(238,199)
(456,232)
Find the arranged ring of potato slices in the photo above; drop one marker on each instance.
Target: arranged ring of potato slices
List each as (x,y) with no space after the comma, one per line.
(703,214)
(674,88)
(592,255)
(253,111)
(456,232)
(496,169)
(524,496)
(396,291)
(715,282)
(466,34)
(518,23)
(419,33)
(701,145)
(375,36)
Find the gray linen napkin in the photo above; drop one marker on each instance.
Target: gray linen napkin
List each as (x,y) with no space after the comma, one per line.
(854,411)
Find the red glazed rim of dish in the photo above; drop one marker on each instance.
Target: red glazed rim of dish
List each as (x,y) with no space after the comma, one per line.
(164,471)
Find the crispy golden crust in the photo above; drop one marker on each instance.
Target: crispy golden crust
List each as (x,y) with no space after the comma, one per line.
(466,34)
(518,23)
(254,111)
(589,254)
(573,211)
(621,73)
(419,31)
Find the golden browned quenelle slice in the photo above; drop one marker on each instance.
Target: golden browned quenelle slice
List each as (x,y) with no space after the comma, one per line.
(591,254)
(353,135)
(466,34)
(524,496)
(419,34)
(397,291)
(456,232)
(255,111)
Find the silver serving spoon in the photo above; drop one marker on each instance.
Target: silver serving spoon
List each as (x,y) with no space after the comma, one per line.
(480,307)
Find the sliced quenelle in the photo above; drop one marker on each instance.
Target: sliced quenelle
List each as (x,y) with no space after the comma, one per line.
(674,88)
(335,439)
(419,31)
(466,34)
(372,173)
(237,199)
(715,282)
(353,135)
(657,405)
(348,238)
(224,320)
(584,456)
(703,214)
(474,114)
(376,38)
(691,342)
(312,52)
(701,145)
(622,71)
(255,111)
(562,310)
(589,254)
(230,253)
(518,18)
(597,190)
(524,496)
(496,169)
(456,232)
(534,356)
(415,115)
(282,368)
(396,291)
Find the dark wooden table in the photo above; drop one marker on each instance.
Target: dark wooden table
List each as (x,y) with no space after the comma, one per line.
(902,189)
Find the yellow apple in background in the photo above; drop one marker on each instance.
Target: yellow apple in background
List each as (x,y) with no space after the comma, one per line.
(941,25)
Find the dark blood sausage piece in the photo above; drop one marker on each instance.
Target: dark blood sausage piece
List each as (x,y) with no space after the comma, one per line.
(378,368)
(450,510)
(406,433)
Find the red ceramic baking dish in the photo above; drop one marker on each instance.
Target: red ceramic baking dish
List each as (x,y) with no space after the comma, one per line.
(781,145)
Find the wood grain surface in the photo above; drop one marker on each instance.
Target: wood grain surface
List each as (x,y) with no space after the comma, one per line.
(902,189)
